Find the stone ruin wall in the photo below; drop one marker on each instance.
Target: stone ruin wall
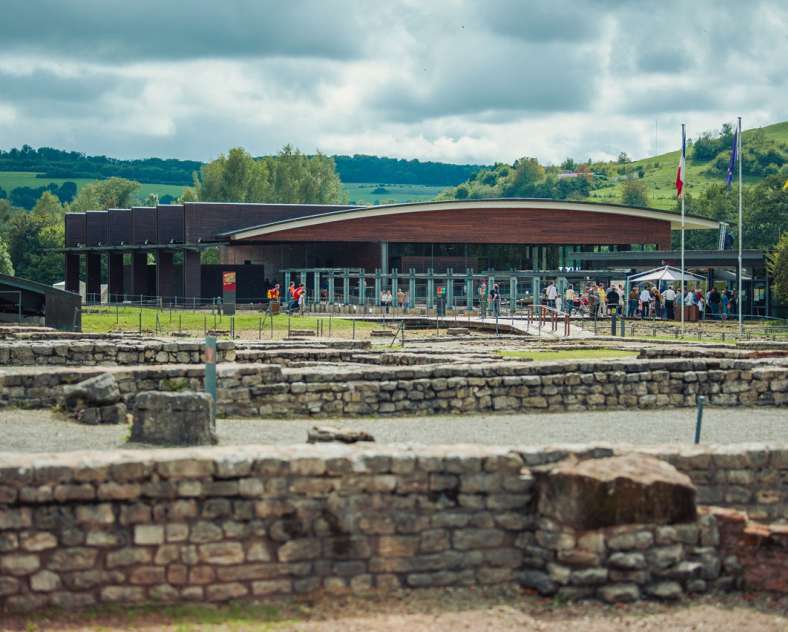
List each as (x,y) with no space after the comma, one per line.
(226,523)
(272,391)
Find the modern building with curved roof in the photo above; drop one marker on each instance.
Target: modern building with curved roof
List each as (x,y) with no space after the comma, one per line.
(156,251)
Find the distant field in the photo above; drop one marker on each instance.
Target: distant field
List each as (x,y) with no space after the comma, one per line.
(364,192)
(12,179)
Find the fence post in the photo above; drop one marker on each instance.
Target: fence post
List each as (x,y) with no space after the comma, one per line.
(210,366)
(699,418)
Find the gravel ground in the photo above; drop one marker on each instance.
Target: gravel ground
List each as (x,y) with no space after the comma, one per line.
(502,609)
(46,431)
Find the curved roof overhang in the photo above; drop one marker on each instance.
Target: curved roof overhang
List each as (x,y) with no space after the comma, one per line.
(509,204)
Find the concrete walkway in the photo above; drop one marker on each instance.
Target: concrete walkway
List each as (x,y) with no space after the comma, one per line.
(518,325)
(46,431)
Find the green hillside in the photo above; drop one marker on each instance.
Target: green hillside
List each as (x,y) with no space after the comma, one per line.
(10,180)
(660,171)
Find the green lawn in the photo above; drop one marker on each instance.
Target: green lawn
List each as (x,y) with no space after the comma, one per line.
(247,323)
(568,354)
(12,179)
(363,192)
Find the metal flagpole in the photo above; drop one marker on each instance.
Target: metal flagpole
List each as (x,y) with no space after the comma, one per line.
(739,294)
(683,162)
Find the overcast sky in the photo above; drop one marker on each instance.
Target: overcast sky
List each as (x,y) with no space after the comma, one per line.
(452,80)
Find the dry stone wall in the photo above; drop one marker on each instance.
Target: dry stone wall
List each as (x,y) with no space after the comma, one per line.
(226,523)
(108,352)
(268,390)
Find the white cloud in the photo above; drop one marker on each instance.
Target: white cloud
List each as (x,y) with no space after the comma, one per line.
(456,80)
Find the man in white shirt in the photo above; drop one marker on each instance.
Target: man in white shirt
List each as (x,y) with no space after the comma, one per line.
(670,297)
(645,300)
(552,294)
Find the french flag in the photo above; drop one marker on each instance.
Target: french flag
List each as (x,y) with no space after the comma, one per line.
(680,172)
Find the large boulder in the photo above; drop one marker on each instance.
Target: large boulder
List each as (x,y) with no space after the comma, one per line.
(629,489)
(181,418)
(101,390)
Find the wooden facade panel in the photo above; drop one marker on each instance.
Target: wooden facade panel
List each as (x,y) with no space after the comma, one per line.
(143,219)
(205,220)
(75,229)
(96,228)
(119,226)
(489,226)
(170,223)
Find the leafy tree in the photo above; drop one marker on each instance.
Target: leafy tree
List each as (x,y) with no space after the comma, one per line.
(526,173)
(188,195)
(104,194)
(778,268)
(569,165)
(48,206)
(31,238)
(634,192)
(237,177)
(67,192)
(289,178)
(623,158)
(6,266)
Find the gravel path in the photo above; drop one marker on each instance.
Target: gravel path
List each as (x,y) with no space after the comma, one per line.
(498,608)
(45,431)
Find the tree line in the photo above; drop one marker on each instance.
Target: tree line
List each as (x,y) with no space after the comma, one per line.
(29,237)
(57,163)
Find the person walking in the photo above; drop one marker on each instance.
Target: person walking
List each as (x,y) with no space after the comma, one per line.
(385,300)
(612,297)
(670,298)
(551,293)
(656,302)
(569,299)
(715,303)
(495,300)
(632,304)
(401,299)
(725,302)
(299,296)
(602,295)
(645,302)
(483,300)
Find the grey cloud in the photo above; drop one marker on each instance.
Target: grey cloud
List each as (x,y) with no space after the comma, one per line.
(543,20)
(664,60)
(481,78)
(670,99)
(136,30)
(47,86)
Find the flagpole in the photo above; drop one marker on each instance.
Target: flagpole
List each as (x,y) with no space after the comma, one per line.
(683,190)
(739,294)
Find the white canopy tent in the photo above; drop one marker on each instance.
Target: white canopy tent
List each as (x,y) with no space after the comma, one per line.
(665,273)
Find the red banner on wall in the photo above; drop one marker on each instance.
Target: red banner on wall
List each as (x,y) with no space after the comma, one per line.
(228,281)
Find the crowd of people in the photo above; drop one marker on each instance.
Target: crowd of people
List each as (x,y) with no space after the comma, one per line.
(296,297)
(594,299)
(644,301)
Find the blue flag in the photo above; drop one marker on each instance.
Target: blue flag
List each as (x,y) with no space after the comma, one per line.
(732,161)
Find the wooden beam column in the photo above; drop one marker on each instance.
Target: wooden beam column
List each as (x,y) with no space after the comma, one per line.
(115,271)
